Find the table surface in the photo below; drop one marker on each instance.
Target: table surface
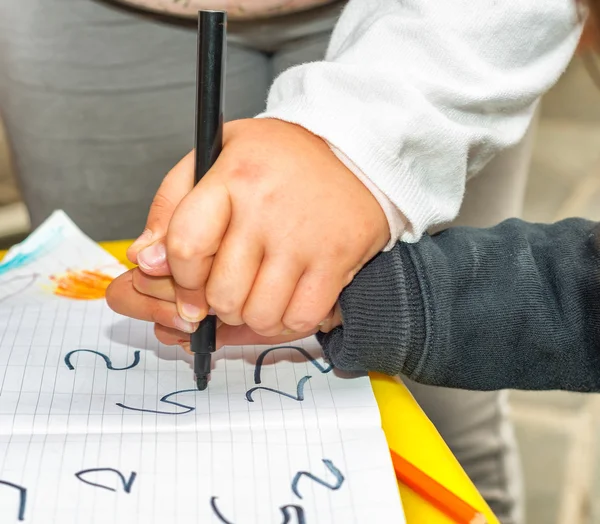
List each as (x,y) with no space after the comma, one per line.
(410,433)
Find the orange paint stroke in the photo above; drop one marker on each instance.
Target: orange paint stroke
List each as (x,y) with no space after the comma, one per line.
(82,285)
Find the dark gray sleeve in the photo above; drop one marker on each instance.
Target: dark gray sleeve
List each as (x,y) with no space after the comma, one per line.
(513,306)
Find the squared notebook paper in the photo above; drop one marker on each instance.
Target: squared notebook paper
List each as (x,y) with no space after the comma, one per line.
(100,423)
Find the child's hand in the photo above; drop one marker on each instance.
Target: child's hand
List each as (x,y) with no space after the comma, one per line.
(269,237)
(152,299)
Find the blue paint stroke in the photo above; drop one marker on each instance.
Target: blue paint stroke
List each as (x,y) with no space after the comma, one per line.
(22,498)
(302,351)
(299,390)
(285,511)
(164,399)
(21,259)
(109,365)
(330,466)
(127,484)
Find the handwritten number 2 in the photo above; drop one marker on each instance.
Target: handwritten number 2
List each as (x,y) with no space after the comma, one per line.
(299,390)
(285,512)
(109,365)
(302,351)
(299,387)
(127,484)
(166,400)
(339,478)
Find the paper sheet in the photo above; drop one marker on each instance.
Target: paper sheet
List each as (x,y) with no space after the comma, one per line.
(101,423)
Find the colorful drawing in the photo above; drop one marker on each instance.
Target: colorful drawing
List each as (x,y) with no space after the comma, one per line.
(81,285)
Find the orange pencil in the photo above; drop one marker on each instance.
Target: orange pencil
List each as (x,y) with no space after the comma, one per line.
(436,494)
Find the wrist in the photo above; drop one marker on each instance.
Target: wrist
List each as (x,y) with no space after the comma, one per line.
(396,221)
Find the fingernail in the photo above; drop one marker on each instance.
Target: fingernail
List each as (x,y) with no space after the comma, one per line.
(153,256)
(211,311)
(190,312)
(184,325)
(143,239)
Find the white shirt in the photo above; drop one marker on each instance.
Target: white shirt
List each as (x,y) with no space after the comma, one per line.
(416,96)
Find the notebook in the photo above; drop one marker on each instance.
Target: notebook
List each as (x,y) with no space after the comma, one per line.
(100,423)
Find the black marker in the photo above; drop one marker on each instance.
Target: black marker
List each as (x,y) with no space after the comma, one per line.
(212,29)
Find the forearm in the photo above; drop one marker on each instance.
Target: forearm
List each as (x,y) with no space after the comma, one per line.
(515,306)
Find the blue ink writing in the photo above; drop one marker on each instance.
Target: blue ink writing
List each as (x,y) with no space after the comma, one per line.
(127,483)
(109,365)
(299,513)
(166,400)
(217,511)
(22,498)
(285,512)
(330,466)
(306,354)
(299,387)
(299,390)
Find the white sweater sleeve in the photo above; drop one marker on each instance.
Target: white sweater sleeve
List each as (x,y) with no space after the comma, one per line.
(419,95)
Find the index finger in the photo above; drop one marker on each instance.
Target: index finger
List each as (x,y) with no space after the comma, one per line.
(196,231)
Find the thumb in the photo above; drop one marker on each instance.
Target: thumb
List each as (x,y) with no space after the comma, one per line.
(175,186)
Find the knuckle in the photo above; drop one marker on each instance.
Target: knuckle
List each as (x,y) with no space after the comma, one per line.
(300,324)
(223,304)
(245,172)
(156,314)
(161,204)
(261,324)
(225,309)
(180,247)
(271,332)
(139,281)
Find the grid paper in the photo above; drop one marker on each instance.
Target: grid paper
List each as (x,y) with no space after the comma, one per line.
(276,435)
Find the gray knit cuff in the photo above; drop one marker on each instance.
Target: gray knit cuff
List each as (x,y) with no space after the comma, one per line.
(384,325)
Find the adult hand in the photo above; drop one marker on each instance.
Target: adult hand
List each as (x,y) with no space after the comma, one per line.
(269,237)
(152,299)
